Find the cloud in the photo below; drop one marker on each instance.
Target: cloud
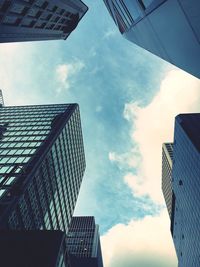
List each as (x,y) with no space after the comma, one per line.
(154,124)
(98,109)
(65,73)
(125,159)
(110,33)
(141,243)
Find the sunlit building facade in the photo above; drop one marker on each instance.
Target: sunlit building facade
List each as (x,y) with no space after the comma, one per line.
(42,163)
(169,29)
(34,20)
(83,242)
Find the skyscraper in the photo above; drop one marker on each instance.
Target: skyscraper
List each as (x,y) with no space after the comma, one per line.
(35,20)
(42,164)
(169,29)
(167,162)
(83,242)
(186,189)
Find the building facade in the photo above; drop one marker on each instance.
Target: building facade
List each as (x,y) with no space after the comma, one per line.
(34,20)
(186,189)
(167,160)
(33,249)
(42,163)
(83,242)
(169,29)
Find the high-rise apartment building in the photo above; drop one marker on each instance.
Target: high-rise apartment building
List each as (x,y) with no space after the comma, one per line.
(33,249)
(42,164)
(34,20)
(186,189)
(169,29)
(83,242)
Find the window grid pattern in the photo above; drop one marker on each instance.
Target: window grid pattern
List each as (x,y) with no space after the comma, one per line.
(45,15)
(186,186)
(80,238)
(24,130)
(49,199)
(167,159)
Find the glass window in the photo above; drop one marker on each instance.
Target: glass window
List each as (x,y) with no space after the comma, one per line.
(17,8)
(10,180)
(133,8)
(146,3)
(32,12)
(10,20)
(2,191)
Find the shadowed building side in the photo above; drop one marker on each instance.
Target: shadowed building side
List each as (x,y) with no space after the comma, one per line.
(33,249)
(83,242)
(35,20)
(185,181)
(169,29)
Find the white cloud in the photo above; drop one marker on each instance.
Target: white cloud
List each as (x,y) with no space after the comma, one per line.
(109,33)
(153,125)
(125,159)
(141,243)
(65,73)
(16,72)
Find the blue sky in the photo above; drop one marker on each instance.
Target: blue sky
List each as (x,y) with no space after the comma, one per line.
(124,95)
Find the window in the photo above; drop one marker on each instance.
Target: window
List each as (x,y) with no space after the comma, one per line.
(27,22)
(10,180)
(33,12)
(133,7)
(17,8)
(2,191)
(145,3)
(10,20)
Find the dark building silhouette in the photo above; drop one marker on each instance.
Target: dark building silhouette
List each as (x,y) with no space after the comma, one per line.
(83,242)
(33,249)
(186,189)
(42,163)
(34,20)
(169,29)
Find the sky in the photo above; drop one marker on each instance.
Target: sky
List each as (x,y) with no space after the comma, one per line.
(128,100)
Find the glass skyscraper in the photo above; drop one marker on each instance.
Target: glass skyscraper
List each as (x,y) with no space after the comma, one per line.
(34,20)
(166,28)
(186,189)
(42,164)
(83,242)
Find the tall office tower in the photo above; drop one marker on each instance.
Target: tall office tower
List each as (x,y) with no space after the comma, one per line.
(1,99)
(167,161)
(42,164)
(169,29)
(35,20)
(186,189)
(33,249)
(83,242)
